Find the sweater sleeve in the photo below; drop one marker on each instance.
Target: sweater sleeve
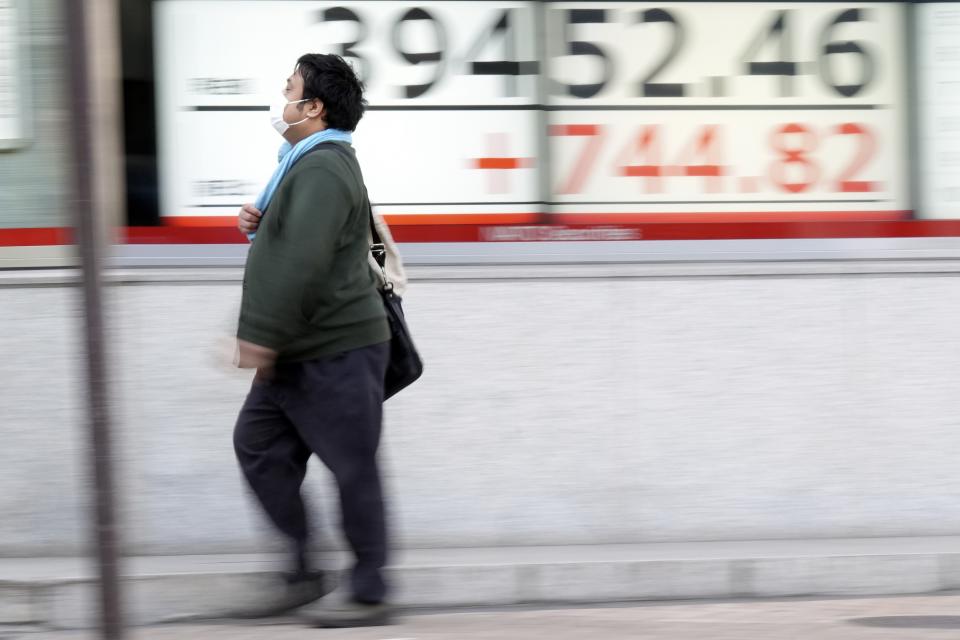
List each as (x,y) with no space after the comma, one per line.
(297,252)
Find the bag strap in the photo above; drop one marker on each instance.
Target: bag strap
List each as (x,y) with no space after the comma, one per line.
(378,249)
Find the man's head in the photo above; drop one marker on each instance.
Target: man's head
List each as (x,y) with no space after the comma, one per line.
(327,95)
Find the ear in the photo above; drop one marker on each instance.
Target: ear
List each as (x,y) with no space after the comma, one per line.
(316,109)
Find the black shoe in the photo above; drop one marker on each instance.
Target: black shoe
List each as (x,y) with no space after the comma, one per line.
(351,614)
(289,591)
(292,592)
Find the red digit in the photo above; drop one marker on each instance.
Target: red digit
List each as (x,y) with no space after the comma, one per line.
(794,156)
(868,145)
(581,170)
(706,145)
(646,144)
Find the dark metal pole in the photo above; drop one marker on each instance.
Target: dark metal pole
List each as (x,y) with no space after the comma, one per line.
(90,245)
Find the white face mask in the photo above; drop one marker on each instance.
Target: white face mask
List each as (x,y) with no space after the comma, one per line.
(276,116)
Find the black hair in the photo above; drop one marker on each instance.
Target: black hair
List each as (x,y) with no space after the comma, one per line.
(328,78)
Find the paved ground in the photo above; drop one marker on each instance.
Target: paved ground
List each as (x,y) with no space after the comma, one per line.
(908,618)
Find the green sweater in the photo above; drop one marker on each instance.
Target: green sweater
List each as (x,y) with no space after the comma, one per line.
(308,289)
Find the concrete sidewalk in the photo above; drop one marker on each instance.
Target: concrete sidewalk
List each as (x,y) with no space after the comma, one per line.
(901,618)
(60,593)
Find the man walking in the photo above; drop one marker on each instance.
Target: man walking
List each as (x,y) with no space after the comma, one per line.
(313,325)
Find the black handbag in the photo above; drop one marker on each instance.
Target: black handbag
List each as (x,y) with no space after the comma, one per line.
(405,365)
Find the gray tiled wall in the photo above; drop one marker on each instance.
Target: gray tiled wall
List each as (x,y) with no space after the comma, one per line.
(551,412)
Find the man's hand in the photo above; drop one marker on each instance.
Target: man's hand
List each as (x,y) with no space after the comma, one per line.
(249,219)
(253,356)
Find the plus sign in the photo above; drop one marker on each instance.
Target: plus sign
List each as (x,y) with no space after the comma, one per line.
(499,159)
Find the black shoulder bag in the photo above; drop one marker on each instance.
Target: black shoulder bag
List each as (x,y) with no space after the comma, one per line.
(405,365)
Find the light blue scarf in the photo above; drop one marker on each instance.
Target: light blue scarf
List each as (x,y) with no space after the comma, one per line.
(287,156)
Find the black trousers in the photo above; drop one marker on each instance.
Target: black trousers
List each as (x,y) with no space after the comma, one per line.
(331,407)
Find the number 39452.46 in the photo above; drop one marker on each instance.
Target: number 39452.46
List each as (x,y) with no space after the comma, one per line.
(599,41)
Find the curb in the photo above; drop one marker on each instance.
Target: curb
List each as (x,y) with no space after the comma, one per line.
(151,598)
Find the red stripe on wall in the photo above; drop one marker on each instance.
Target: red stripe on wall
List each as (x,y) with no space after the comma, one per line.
(481,232)
(687,231)
(36,237)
